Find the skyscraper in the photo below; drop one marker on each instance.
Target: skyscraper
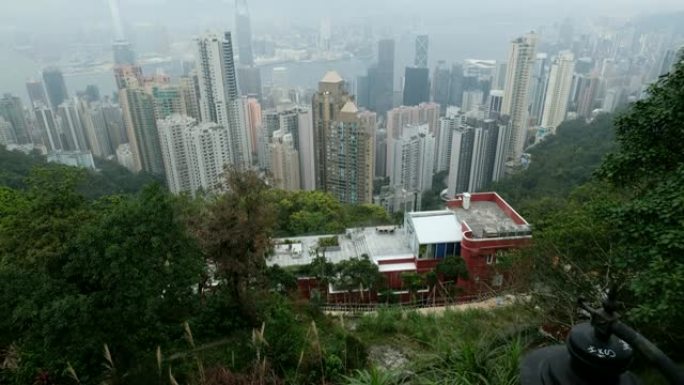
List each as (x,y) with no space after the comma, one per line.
(243,27)
(284,162)
(441,84)
(456,85)
(207,151)
(307,170)
(122,49)
(381,79)
(400,117)
(460,160)
(416,86)
(558,90)
(6,133)
(126,75)
(48,127)
(381,153)
(168,100)
(448,124)
(194,154)
(173,132)
(476,158)
(472,100)
(422,48)
(123,53)
(414,156)
(12,109)
(249,76)
(141,128)
(97,130)
(326,106)
(349,163)
(253,109)
(116,129)
(499,81)
(249,81)
(73,138)
(189,88)
(494,103)
(587,96)
(219,100)
(54,86)
(538,84)
(515,102)
(36,93)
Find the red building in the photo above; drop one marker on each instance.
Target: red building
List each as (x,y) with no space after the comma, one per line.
(476,227)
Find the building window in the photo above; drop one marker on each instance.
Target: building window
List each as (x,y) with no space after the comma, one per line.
(490,259)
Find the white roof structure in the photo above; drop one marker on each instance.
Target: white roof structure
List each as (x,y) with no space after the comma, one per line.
(436,227)
(396,267)
(332,77)
(349,108)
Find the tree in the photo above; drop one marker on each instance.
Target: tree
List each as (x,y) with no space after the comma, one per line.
(322,269)
(234,230)
(453,267)
(413,282)
(560,163)
(358,274)
(650,136)
(117,271)
(110,177)
(281,280)
(317,212)
(648,167)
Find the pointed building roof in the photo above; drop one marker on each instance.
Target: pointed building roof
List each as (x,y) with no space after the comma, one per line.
(349,108)
(332,77)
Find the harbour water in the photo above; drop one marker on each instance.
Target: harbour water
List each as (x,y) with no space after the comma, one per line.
(16,69)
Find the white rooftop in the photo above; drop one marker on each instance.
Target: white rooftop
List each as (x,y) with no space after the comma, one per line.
(436,227)
(349,107)
(357,241)
(393,267)
(332,77)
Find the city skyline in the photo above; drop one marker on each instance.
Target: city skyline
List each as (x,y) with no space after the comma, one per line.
(482,113)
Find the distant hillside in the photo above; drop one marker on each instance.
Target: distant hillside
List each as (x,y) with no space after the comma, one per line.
(561,162)
(111,178)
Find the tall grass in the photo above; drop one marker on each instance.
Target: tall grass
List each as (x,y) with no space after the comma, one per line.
(456,347)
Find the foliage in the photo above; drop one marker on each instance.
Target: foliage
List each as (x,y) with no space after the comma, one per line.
(374,376)
(357,273)
(650,136)
(280,280)
(560,163)
(234,232)
(413,282)
(316,212)
(455,346)
(431,200)
(453,267)
(110,177)
(328,241)
(117,271)
(622,228)
(320,268)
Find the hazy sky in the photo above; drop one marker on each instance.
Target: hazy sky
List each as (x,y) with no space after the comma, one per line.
(65,14)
